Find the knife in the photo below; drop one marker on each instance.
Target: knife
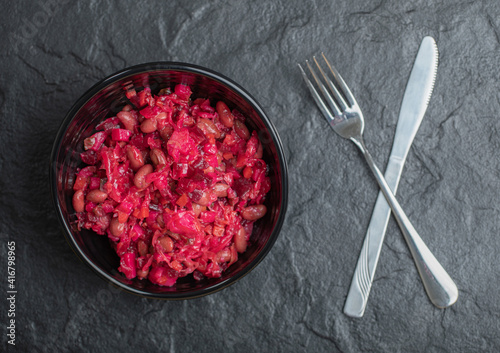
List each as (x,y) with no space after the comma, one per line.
(415,101)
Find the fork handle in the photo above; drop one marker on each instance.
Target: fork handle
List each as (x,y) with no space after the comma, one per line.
(440,288)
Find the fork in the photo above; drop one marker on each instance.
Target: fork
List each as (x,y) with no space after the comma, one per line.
(345,118)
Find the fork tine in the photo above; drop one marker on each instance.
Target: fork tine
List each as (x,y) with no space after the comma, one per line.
(333,105)
(333,89)
(317,98)
(340,81)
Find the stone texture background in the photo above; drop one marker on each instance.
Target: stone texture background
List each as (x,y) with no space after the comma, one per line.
(52,51)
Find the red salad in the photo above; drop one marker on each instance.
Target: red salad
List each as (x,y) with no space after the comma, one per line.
(176,185)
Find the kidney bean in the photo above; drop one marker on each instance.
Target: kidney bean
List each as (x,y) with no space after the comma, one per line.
(209,170)
(241,130)
(161,116)
(260,152)
(128,120)
(240,240)
(164,91)
(116,228)
(197,208)
(157,156)
(252,213)
(139,178)
(226,118)
(149,125)
(166,132)
(166,243)
(224,255)
(79,201)
(135,157)
(176,265)
(208,127)
(142,274)
(142,248)
(159,220)
(204,199)
(221,167)
(97,196)
(173,235)
(247,172)
(220,189)
(98,211)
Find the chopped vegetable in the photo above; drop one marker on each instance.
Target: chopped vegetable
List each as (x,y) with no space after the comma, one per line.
(176,184)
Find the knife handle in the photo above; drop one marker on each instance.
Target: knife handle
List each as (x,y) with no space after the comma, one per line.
(364,273)
(440,288)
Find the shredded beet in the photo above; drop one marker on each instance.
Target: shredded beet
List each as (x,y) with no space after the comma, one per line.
(176,184)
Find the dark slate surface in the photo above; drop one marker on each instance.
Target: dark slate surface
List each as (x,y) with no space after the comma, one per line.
(53,50)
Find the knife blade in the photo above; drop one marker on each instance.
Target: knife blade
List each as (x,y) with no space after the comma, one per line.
(415,101)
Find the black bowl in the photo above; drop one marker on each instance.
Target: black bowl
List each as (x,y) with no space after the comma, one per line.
(104,100)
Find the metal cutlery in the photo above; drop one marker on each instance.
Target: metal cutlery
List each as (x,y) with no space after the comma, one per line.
(346,119)
(413,107)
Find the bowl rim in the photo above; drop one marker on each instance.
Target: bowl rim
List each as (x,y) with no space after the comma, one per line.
(173,66)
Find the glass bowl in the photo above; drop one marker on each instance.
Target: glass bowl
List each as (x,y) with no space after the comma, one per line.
(105,99)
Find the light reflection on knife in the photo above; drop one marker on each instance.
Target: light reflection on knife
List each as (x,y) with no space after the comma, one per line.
(415,101)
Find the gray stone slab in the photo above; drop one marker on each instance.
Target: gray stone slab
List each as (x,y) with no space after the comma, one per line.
(54,50)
